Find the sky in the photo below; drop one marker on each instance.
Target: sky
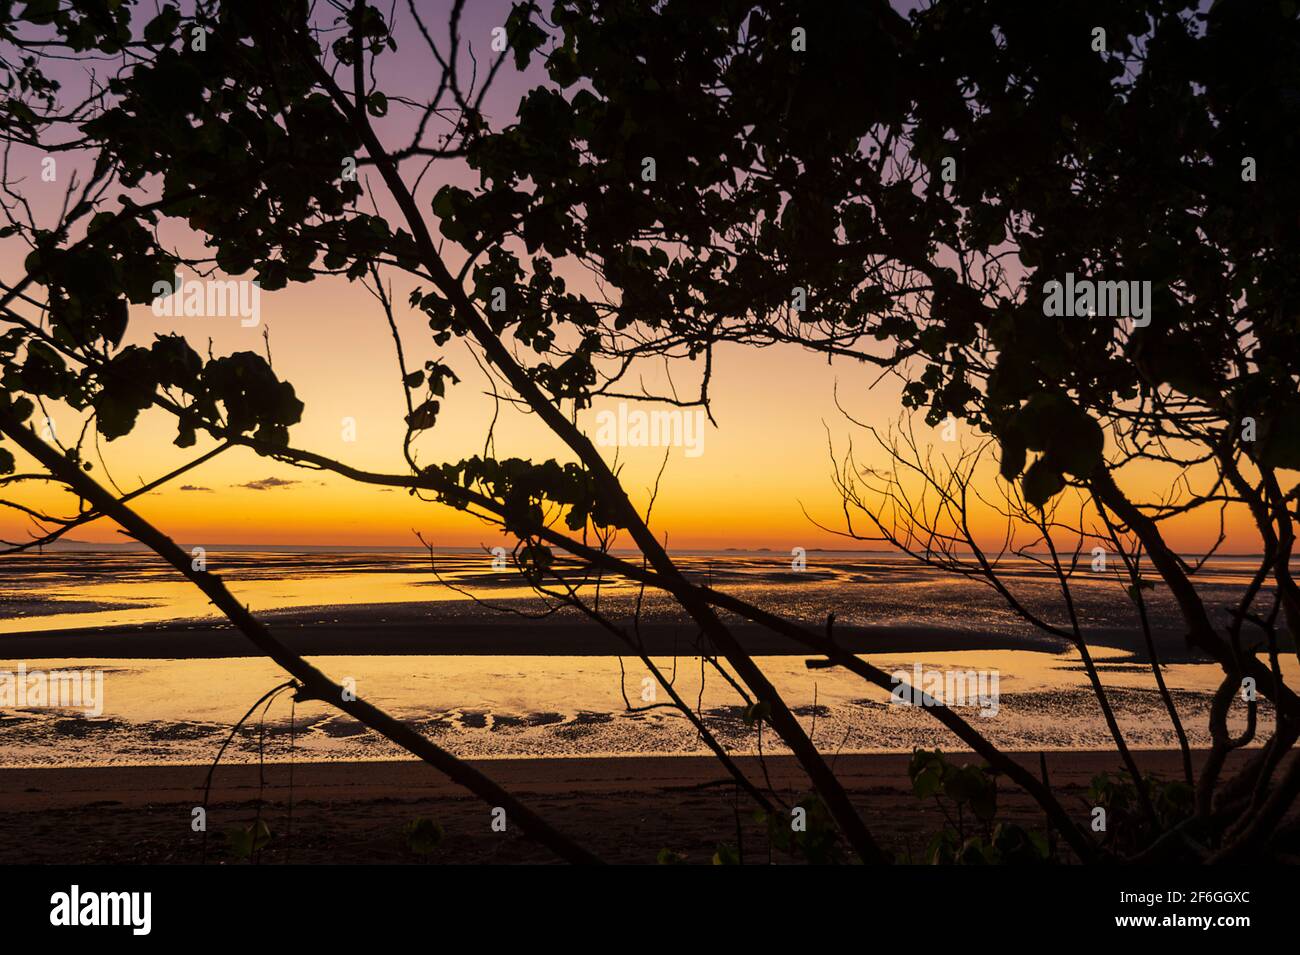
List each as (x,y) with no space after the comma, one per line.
(761,479)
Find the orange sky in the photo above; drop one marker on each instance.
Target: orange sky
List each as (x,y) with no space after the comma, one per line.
(767,460)
(768,456)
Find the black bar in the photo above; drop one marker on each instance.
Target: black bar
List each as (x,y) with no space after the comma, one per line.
(361,904)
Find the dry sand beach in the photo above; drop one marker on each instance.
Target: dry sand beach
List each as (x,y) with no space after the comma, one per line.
(624,808)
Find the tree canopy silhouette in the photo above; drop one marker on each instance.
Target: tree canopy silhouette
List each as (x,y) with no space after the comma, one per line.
(893,189)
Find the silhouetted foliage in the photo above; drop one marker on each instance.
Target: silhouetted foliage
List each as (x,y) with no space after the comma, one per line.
(718,185)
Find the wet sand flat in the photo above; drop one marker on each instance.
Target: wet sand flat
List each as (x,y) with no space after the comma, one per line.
(400,629)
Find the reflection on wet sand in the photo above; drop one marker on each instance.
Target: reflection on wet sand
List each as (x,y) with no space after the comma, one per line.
(427,641)
(178,711)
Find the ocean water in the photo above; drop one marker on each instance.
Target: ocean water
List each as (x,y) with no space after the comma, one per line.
(489,706)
